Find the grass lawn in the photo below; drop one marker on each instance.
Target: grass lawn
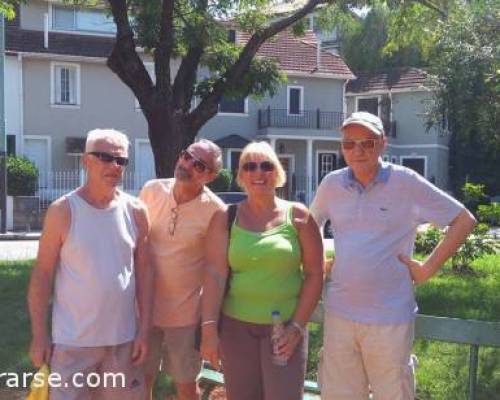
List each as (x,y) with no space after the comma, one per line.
(443,367)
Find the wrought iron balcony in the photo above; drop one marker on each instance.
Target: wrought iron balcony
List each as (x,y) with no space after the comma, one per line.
(306,119)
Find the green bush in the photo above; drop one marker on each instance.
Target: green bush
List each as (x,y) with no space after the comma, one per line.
(427,240)
(22,176)
(478,244)
(223,181)
(473,195)
(489,213)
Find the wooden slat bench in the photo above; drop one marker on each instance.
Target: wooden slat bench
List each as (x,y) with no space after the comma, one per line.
(452,330)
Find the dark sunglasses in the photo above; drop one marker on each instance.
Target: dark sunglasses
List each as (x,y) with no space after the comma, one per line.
(265,166)
(366,144)
(109,158)
(198,164)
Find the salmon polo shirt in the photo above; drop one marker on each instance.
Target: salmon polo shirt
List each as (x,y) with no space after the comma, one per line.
(372,226)
(177,243)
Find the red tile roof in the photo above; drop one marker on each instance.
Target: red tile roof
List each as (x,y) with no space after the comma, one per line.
(397,78)
(299,54)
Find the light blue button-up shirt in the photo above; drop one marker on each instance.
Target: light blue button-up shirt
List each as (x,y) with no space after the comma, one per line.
(372,226)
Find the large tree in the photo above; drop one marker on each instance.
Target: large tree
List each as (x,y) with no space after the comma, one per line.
(467,97)
(195,33)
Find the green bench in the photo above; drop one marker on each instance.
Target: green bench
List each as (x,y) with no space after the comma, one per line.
(453,330)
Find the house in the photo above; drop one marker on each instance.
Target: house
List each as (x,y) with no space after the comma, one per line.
(58,87)
(400,97)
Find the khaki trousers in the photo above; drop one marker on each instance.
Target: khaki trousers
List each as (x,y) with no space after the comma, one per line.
(359,358)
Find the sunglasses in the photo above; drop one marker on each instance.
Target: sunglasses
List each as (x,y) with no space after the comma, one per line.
(198,164)
(265,166)
(366,144)
(109,158)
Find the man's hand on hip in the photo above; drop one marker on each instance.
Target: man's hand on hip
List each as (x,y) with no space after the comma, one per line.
(419,272)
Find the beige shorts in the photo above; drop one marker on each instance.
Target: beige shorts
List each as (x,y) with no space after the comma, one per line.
(359,356)
(95,373)
(172,350)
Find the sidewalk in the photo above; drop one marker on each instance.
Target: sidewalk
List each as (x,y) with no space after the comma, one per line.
(20,236)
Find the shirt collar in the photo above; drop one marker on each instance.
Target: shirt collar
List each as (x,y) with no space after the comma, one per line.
(382,176)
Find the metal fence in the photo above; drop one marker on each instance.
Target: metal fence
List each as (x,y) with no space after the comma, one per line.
(54,184)
(306,119)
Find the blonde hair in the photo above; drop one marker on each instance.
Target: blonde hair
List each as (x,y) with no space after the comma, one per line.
(262,149)
(111,135)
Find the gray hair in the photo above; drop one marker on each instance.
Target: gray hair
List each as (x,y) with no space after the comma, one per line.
(110,135)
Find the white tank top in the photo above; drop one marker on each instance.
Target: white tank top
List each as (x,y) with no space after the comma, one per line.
(94,294)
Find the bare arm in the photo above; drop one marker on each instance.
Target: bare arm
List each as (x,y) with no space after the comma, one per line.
(56,226)
(216,272)
(312,264)
(458,231)
(144,287)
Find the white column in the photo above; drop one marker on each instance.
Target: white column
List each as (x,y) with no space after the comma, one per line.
(272,142)
(309,169)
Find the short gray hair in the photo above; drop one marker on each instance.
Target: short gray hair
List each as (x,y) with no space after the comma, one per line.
(111,135)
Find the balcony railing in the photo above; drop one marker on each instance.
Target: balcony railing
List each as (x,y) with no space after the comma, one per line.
(307,119)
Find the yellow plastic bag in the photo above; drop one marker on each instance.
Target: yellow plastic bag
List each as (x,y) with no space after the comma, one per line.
(39,388)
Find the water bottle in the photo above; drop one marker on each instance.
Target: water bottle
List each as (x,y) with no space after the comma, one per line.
(277,332)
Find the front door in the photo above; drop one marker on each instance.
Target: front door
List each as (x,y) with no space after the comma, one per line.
(326,162)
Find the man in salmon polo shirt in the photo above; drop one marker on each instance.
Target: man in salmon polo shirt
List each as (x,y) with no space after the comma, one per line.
(93,249)
(180,211)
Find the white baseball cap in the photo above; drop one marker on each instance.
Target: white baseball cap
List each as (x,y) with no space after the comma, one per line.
(366,119)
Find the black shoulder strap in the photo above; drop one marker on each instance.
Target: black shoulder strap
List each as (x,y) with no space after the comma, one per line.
(231,215)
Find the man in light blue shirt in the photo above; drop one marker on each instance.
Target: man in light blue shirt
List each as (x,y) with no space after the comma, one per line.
(375,209)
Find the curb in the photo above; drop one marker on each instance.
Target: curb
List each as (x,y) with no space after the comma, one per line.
(19,236)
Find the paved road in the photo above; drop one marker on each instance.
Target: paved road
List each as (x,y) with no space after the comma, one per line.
(18,249)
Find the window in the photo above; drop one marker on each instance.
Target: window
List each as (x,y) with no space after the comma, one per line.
(327,162)
(232,36)
(11,145)
(82,19)
(416,163)
(394,159)
(233,105)
(368,104)
(65,84)
(295,100)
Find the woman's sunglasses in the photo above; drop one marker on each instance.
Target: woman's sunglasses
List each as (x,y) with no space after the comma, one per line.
(198,165)
(265,166)
(109,158)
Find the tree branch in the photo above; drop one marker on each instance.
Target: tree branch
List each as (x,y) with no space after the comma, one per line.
(124,60)
(163,51)
(208,106)
(434,7)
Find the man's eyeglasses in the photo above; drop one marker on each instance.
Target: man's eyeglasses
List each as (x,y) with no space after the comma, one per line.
(265,166)
(198,164)
(366,144)
(109,158)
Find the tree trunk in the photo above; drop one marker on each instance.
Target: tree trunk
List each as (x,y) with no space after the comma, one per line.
(168,135)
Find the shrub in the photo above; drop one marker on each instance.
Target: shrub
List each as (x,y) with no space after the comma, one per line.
(427,240)
(489,213)
(473,196)
(22,176)
(223,181)
(478,244)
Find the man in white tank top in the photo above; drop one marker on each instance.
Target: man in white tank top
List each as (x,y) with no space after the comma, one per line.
(181,209)
(93,251)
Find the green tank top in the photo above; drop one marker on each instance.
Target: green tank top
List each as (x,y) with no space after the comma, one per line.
(266,273)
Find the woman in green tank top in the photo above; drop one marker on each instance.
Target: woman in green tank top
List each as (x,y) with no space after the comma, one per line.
(272,258)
